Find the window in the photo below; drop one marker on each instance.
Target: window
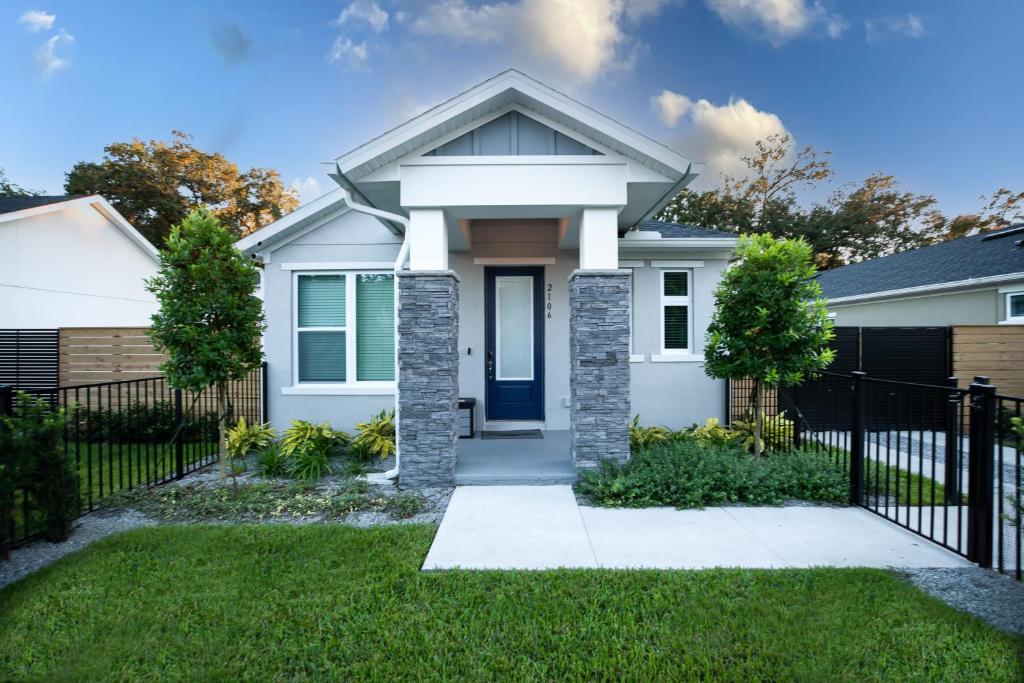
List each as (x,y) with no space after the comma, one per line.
(675,311)
(344,328)
(1015,307)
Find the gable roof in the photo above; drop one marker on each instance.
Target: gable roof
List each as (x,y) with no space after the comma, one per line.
(24,207)
(987,257)
(512,87)
(680,230)
(11,204)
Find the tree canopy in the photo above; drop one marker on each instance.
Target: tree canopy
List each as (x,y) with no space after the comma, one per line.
(210,321)
(9,189)
(856,222)
(155,184)
(770,322)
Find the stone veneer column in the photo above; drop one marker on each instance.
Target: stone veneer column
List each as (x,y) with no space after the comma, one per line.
(599,360)
(428,377)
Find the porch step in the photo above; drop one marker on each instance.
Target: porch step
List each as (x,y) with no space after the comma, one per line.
(515,479)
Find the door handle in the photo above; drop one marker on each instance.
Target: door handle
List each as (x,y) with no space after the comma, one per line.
(490,365)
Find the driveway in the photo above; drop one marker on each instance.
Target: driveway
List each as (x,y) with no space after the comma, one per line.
(543,527)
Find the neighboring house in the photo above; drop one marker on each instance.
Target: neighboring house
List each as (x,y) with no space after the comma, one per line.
(976,280)
(516,224)
(72,262)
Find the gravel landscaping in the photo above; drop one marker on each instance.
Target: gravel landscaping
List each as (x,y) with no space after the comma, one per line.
(988,595)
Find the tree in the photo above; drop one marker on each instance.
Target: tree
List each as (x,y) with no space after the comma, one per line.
(9,189)
(155,184)
(210,321)
(1003,208)
(770,322)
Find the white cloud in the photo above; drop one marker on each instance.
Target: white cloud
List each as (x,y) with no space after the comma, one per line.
(46,56)
(720,135)
(778,21)
(906,26)
(363,11)
(308,188)
(671,106)
(36,20)
(581,39)
(353,55)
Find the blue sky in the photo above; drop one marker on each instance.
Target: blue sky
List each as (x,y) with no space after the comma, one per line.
(928,90)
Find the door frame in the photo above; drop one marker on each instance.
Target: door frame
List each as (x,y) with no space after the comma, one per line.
(490,273)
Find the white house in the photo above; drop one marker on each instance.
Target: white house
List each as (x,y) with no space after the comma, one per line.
(498,247)
(72,262)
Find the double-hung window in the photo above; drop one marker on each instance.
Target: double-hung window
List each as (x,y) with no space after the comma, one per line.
(676,312)
(344,328)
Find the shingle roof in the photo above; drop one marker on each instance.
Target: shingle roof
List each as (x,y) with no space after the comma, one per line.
(985,255)
(678,230)
(11,204)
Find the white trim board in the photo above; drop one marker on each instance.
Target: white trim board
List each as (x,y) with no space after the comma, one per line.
(937,288)
(340,265)
(677,264)
(514,261)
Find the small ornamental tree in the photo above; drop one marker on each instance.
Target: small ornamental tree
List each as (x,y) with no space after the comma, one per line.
(770,321)
(210,320)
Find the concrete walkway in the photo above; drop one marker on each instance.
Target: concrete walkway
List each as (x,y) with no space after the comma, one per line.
(542,527)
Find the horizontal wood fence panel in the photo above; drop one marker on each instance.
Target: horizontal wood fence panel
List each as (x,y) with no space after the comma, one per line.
(993,351)
(90,355)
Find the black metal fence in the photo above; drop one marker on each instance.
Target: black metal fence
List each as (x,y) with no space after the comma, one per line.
(940,461)
(135,433)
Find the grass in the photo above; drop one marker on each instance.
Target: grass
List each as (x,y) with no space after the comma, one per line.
(917,486)
(334,602)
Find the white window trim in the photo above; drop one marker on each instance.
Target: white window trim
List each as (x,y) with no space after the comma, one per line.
(632,266)
(676,301)
(351,386)
(1011,319)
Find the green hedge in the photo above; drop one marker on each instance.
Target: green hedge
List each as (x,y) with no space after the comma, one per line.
(686,474)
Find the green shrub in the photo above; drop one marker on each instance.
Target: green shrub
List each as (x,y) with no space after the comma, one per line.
(406,504)
(376,437)
(641,437)
(139,422)
(244,438)
(33,459)
(687,474)
(712,433)
(271,462)
(776,433)
(306,436)
(308,464)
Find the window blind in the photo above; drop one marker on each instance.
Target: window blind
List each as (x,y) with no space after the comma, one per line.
(375,327)
(321,301)
(677,327)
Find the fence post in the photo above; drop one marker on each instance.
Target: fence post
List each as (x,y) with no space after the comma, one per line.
(857,440)
(797,418)
(264,394)
(981,473)
(179,436)
(953,446)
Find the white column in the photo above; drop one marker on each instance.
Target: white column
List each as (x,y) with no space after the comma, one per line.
(599,239)
(428,240)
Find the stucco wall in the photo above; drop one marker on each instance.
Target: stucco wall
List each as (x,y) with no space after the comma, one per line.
(72,268)
(984,307)
(351,237)
(674,394)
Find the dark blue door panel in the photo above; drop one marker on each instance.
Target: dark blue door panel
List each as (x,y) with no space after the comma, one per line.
(516,399)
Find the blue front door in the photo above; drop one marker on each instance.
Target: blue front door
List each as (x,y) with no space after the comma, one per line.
(514,358)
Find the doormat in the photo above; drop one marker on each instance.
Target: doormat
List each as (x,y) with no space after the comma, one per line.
(513,434)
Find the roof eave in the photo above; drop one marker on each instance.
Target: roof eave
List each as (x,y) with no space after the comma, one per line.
(926,289)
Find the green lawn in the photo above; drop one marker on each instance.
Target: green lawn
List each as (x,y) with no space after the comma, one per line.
(913,489)
(337,603)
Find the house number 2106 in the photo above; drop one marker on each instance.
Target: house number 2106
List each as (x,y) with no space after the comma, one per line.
(549,301)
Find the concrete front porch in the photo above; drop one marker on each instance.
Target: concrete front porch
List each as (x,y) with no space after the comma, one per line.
(483,462)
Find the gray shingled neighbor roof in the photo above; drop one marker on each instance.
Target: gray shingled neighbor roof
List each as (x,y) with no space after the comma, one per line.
(678,230)
(11,204)
(985,255)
